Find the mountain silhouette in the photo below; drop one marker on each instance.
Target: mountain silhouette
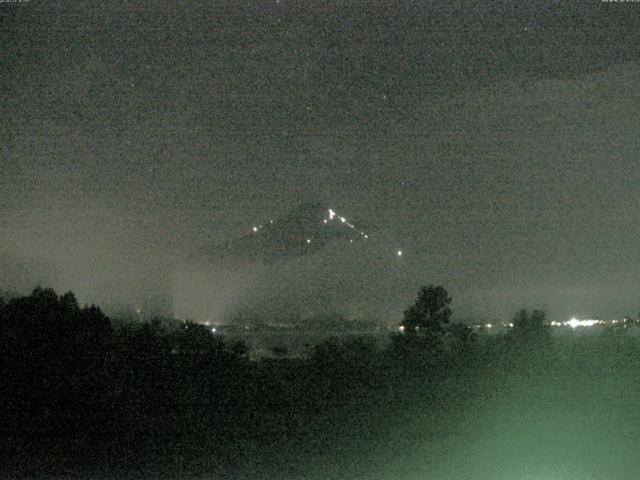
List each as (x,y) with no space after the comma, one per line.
(304,230)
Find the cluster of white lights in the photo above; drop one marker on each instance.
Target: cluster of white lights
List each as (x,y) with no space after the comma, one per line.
(575,323)
(401,328)
(332,215)
(260,227)
(491,325)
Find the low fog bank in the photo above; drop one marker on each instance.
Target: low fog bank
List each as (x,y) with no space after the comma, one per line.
(362,281)
(19,276)
(118,282)
(368,281)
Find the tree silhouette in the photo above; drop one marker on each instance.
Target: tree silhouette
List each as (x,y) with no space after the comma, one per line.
(430,312)
(461,338)
(53,357)
(530,325)
(197,338)
(239,348)
(523,321)
(279,351)
(51,327)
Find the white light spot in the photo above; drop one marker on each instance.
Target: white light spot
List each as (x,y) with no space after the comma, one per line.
(213,330)
(366,236)
(255,229)
(308,240)
(331,214)
(574,323)
(325,220)
(399,253)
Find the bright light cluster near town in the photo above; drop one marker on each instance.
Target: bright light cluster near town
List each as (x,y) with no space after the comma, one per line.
(575,323)
(572,323)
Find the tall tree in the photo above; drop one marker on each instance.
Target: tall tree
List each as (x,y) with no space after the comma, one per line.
(525,321)
(530,325)
(430,312)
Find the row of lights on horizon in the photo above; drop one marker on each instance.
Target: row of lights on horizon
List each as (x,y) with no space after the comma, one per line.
(573,323)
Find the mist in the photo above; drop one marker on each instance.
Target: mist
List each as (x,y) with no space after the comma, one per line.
(338,280)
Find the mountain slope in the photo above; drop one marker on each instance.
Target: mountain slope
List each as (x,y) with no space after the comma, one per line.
(306,229)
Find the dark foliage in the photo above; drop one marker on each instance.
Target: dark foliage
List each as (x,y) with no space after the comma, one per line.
(530,326)
(77,395)
(430,312)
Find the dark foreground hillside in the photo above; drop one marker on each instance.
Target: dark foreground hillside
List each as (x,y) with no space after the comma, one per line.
(81,400)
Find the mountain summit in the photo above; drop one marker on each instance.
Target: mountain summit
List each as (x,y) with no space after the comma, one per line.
(306,229)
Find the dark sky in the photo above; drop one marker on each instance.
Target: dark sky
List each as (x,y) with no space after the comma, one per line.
(495,142)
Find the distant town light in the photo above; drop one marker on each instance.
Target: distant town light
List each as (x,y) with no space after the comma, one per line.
(574,323)
(255,229)
(399,253)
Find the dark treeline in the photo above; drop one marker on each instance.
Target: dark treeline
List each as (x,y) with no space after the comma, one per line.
(79,395)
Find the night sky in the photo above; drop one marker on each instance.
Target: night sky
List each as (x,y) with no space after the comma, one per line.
(496,142)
